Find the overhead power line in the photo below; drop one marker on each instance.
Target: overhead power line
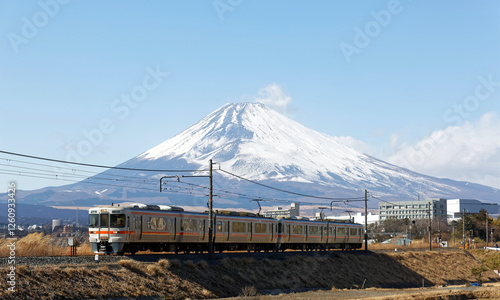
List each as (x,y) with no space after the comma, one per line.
(290,192)
(94,165)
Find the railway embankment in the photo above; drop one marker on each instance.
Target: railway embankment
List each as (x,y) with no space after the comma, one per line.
(249,276)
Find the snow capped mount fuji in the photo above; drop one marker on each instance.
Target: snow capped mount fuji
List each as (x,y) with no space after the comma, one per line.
(260,144)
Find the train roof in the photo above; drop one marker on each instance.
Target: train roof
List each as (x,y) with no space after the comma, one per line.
(228,213)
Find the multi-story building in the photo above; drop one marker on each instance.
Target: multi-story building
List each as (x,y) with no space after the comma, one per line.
(294,211)
(456,207)
(413,209)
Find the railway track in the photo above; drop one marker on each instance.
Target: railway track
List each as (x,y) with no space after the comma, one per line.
(152,258)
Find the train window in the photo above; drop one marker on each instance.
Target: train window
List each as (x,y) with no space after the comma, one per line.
(219,226)
(104,220)
(341,231)
(260,228)
(137,223)
(239,227)
(162,224)
(152,223)
(313,230)
(156,223)
(188,225)
(353,231)
(298,229)
(117,220)
(93,220)
(280,228)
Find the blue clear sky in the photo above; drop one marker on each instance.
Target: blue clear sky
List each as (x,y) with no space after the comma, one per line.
(64,66)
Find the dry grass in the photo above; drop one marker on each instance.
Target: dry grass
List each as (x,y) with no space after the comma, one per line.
(247,276)
(415,244)
(130,280)
(38,244)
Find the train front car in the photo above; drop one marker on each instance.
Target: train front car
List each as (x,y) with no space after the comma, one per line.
(108,231)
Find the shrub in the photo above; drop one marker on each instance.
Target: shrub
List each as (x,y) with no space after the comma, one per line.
(248,291)
(203,264)
(164,263)
(154,270)
(190,264)
(175,263)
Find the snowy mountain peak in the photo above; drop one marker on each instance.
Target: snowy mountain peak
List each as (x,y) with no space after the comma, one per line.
(259,143)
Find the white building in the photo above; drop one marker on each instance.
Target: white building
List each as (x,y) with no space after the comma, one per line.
(471,206)
(294,211)
(435,208)
(357,218)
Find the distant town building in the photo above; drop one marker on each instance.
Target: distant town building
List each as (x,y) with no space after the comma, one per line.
(294,211)
(446,209)
(357,218)
(56,223)
(437,208)
(471,206)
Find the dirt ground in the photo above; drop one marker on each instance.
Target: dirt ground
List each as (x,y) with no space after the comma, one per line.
(488,291)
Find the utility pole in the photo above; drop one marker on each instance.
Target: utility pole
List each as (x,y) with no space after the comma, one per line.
(366,221)
(486,229)
(430,235)
(463,226)
(210,214)
(210,206)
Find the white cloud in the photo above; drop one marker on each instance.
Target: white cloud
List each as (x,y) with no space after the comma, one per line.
(469,152)
(274,97)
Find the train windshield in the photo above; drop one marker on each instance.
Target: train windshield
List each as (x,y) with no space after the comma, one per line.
(106,220)
(93,220)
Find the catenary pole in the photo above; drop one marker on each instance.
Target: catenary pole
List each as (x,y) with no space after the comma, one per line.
(486,229)
(210,214)
(430,235)
(463,227)
(366,221)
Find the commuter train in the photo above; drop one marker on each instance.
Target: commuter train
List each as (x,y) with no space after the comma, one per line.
(158,228)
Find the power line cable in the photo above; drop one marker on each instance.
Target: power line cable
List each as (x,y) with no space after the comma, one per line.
(96,166)
(289,192)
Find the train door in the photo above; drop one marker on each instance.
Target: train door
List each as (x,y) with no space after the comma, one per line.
(173,228)
(202,224)
(250,231)
(226,230)
(280,229)
(271,235)
(128,229)
(321,233)
(288,231)
(103,225)
(138,227)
